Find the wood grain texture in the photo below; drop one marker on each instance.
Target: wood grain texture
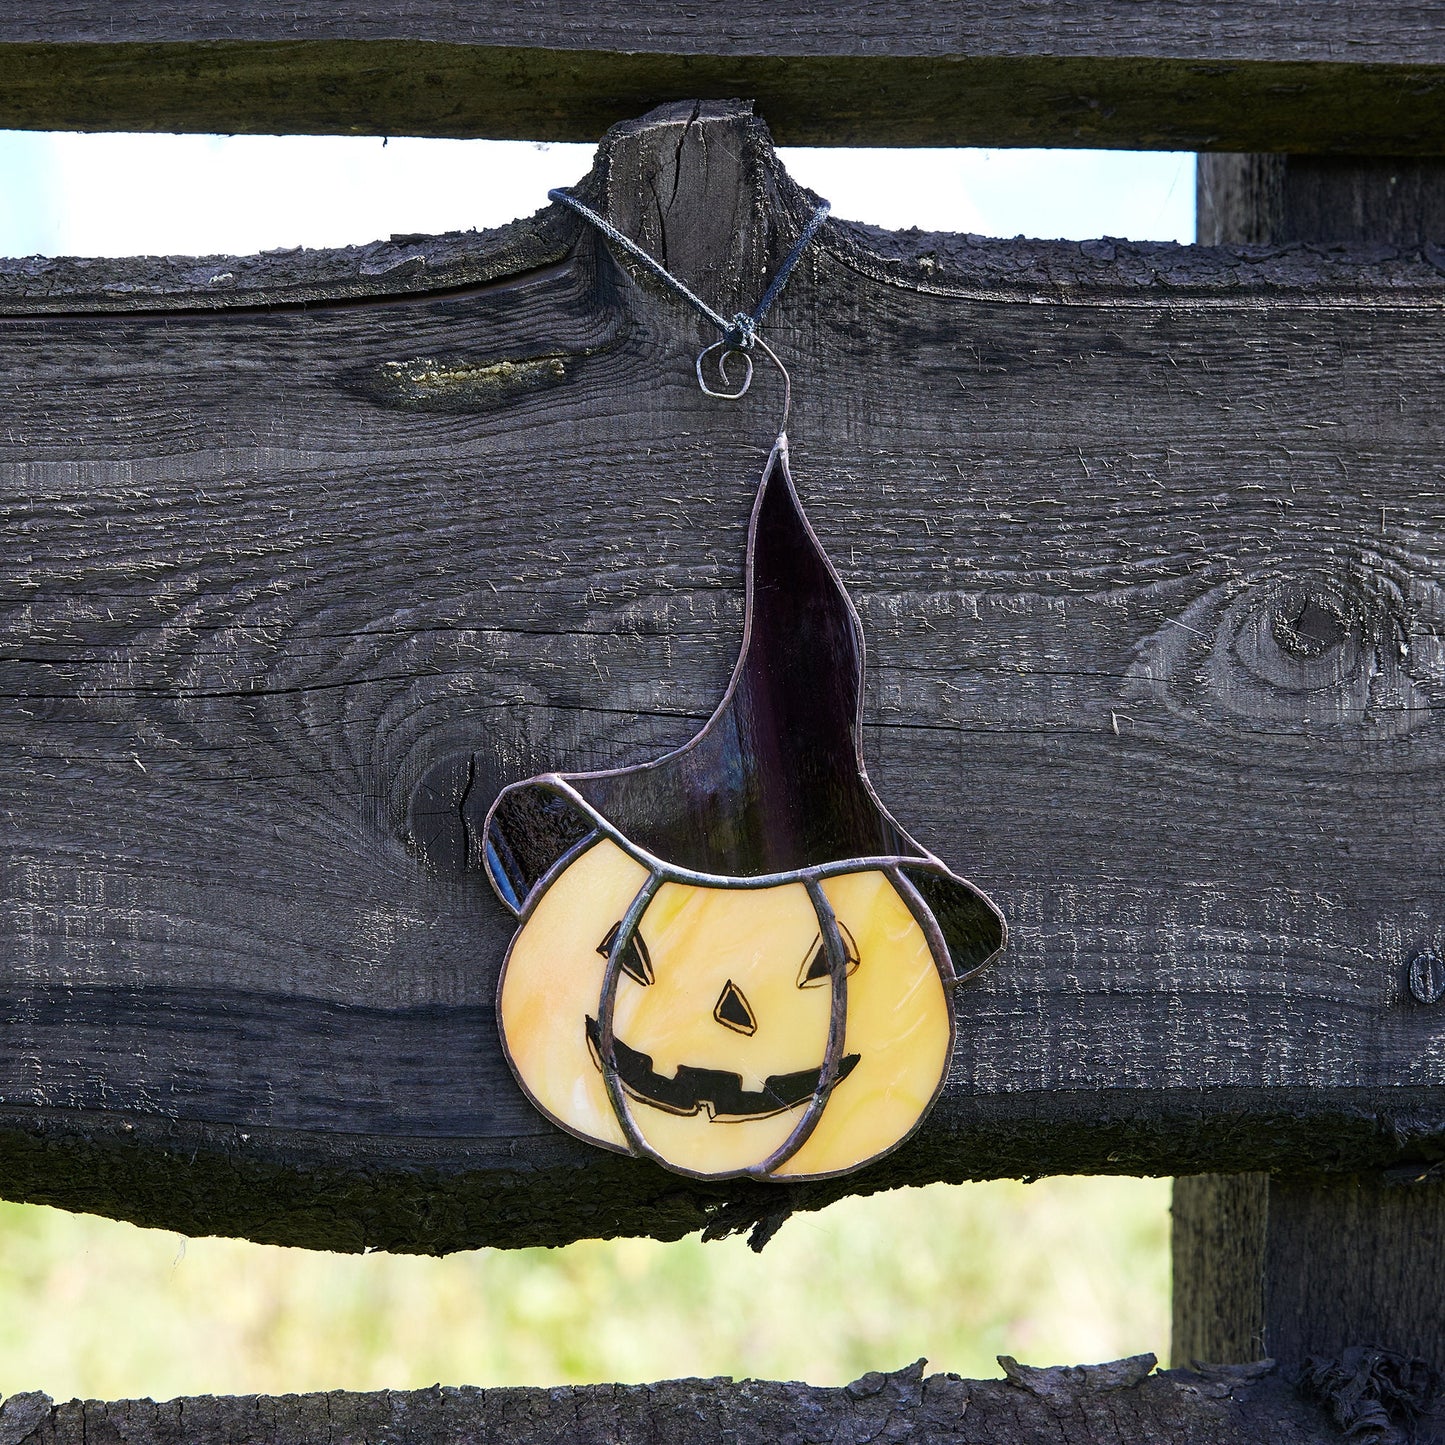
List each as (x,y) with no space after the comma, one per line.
(1301,1267)
(1309,1268)
(1088,1405)
(1355,1261)
(1244,75)
(1218,1244)
(1147,546)
(1267,200)
(1398,32)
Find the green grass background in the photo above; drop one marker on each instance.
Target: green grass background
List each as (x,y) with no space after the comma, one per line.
(1063,1271)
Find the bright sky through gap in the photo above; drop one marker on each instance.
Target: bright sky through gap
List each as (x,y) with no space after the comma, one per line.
(117,195)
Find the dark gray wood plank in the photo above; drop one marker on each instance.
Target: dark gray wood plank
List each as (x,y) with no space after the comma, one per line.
(1147,545)
(1088,1405)
(1305,1267)
(1352,31)
(1355,1261)
(1219,1228)
(1301,1268)
(1358,200)
(1243,75)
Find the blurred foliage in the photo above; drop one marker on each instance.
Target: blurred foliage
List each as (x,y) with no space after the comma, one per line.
(1062,1271)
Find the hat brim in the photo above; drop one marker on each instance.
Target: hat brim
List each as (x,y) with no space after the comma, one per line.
(534,827)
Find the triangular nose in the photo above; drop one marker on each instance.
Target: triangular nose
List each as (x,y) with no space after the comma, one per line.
(732,1010)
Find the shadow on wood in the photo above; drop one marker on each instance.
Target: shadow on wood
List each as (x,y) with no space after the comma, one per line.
(1294,1268)
(1268,200)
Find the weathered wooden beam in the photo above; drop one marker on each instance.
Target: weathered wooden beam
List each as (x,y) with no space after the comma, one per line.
(1219,1225)
(1268,200)
(1350,76)
(1087,1405)
(310,553)
(1291,1269)
(1303,1266)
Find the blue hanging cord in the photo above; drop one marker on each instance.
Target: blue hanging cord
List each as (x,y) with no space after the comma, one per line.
(738,335)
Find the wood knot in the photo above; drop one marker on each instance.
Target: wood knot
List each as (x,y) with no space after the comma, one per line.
(462,384)
(1373,1394)
(1308,626)
(1303,637)
(449,806)
(1299,657)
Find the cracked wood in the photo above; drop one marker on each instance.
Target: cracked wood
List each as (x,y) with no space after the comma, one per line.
(1147,544)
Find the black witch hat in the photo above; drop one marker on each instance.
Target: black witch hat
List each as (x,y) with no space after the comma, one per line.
(774,784)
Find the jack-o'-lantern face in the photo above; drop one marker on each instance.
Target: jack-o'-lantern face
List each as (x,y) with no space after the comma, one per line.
(722,1004)
(732,959)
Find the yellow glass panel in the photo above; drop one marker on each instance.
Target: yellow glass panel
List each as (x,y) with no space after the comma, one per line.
(723,1016)
(552,983)
(898,1025)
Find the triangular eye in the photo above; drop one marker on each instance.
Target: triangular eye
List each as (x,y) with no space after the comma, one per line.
(815,962)
(636,961)
(732,1010)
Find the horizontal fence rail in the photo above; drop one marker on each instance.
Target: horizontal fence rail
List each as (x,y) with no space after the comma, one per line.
(310,554)
(1350,76)
(1070,1406)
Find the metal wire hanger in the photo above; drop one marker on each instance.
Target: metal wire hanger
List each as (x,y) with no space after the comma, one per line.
(737,336)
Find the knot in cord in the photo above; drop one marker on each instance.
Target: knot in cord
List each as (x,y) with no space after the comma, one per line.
(741,334)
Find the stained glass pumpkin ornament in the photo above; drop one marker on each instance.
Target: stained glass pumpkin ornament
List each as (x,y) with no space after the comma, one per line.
(732,960)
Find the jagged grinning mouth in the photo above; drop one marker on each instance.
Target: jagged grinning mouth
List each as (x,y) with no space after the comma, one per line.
(721,1093)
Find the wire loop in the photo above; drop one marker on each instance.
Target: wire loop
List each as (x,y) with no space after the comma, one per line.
(738,335)
(725,349)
